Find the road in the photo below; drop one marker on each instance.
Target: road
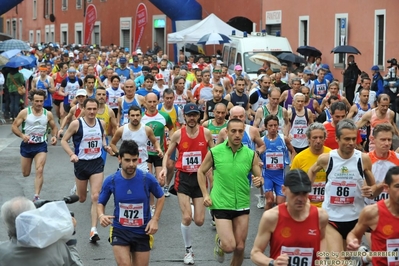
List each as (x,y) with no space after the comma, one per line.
(58,179)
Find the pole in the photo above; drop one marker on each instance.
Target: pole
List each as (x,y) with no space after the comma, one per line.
(2,120)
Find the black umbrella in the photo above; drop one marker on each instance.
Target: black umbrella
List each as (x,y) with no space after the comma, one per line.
(290,57)
(308,51)
(345,49)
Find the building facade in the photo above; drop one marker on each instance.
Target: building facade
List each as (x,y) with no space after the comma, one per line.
(62,21)
(370,26)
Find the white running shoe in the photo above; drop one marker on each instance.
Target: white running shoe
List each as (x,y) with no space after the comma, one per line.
(189,257)
(261,202)
(166,191)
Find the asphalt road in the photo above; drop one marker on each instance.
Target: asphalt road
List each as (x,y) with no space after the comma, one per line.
(58,180)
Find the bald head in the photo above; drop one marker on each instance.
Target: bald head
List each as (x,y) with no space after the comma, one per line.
(237,112)
(151,100)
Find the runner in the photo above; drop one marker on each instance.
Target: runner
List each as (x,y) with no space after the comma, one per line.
(304,160)
(229,199)
(140,133)
(57,79)
(88,138)
(217,93)
(34,120)
(46,83)
(275,160)
(130,98)
(218,123)
(132,226)
(68,89)
(349,180)
(295,230)
(192,143)
(382,219)
(357,111)
(114,93)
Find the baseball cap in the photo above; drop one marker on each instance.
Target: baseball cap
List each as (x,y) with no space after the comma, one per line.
(71,70)
(191,108)
(145,68)
(122,60)
(307,72)
(71,54)
(81,92)
(375,68)
(135,59)
(126,50)
(298,181)
(325,66)
(238,67)
(158,76)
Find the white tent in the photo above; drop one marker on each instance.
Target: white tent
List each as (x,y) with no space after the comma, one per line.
(208,25)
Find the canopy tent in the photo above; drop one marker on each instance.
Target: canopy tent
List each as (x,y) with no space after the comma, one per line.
(208,25)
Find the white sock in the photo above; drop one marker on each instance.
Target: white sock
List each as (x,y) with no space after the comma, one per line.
(186,232)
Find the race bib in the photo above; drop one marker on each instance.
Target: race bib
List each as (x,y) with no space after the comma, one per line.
(113,101)
(150,146)
(71,96)
(317,193)
(298,256)
(131,215)
(35,138)
(92,145)
(275,160)
(191,161)
(57,86)
(125,119)
(393,246)
(141,155)
(215,138)
(321,89)
(299,132)
(342,193)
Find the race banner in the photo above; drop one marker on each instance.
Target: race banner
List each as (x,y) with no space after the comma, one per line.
(141,21)
(90,20)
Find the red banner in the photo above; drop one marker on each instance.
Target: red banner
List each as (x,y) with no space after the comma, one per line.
(90,20)
(141,21)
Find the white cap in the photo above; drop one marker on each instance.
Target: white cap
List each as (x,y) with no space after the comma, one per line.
(81,92)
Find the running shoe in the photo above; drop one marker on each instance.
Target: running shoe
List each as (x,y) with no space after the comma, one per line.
(94,236)
(360,260)
(218,252)
(35,198)
(261,202)
(189,257)
(166,191)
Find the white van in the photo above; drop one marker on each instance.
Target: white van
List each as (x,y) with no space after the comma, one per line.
(241,48)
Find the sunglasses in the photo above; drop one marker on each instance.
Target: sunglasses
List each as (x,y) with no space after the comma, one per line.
(217,71)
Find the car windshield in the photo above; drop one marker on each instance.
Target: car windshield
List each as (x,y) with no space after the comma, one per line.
(252,68)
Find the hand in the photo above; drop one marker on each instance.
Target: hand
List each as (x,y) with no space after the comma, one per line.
(105,220)
(281,260)
(152,227)
(74,158)
(201,101)
(353,245)
(108,150)
(25,138)
(257,181)
(74,222)
(53,140)
(367,192)
(207,201)
(160,153)
(162,174)
(60,133)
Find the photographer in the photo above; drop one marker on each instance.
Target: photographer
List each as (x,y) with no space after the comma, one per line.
(391,85)
(13,252)
(351,75)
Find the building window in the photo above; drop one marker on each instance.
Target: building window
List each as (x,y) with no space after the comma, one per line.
(64,33)
(79,33)
(379,38)
(14,28)
(52,33)
(38,36)
(78,4)
(341,37)
(8,30)
(31,36)
(20,29)
(97,34)
(47,33)
(64,4)
(125,27)
(46,8)
(89,1)
(303,30)
(34,9)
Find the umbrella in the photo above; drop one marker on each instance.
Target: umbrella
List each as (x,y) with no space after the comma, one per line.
(11,53)
(260,58)
(26,73)
(3,60)
(345,49)
(14,44)
(18,61)
(214,38)
(290,57)
(308,51)
(194,49)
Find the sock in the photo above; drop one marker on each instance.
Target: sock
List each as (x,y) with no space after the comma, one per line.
(36,195)
(186,232)
(93,229)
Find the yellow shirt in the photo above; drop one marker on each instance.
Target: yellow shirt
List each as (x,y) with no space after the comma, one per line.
(304,160)
(105,117)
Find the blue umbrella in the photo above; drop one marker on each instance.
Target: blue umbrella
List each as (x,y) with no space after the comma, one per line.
(11,53)
(214,38)
(308,51)
(14,44)
(345,49)
(290,57)
(18,61)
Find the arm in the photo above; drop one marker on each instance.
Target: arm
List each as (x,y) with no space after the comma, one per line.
(205,118)
(323,104)
(367,218)
(283,96)
(117,136)
(370,189)
(258,119)
(113,123)
(33,83)
(17,123)
(345,101)
(323,221)
(310,116)
(72,129)
(260,144)
(365,119)
(320,164)
(53,126)
(287,123)
(204,168)
(67,119)
(316,107)
(222,136)
(208,137)
(352,111)
(257,178)
(119,115)
(395,128)
(290,148)
(174,140)
(205,124)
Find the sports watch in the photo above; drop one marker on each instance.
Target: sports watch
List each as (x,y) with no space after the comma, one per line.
(271,263)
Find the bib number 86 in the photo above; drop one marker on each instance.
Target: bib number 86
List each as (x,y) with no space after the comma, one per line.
(343,191)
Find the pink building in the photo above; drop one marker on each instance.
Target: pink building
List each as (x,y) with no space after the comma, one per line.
(369,26)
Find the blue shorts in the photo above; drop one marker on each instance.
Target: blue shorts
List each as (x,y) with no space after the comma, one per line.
(273,183)
(28,150)
(136,242)
(104,152)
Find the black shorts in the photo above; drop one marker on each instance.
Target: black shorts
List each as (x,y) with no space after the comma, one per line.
(343,227)
(137,242)
(84,169)
(57,102)
(28,150)
(298,150)
(67,107)
(115,111)
(48,108)
(155,160)
(187,183)
(228,214)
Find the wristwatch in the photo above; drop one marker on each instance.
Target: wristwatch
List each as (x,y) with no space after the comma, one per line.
(271,263)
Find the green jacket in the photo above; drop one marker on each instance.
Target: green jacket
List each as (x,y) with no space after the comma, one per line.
(231,188)
(19,80)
